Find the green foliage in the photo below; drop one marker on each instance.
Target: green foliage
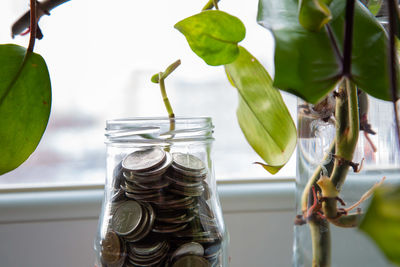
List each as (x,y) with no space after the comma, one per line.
(306,63)
(213,35)
(374,6)
(25,100)
(156,77)
(262,114)
(382,221)
(314,14)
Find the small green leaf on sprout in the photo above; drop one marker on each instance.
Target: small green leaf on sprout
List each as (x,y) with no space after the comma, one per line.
(168,71)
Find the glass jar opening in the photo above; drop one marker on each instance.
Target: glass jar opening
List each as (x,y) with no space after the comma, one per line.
(159,130)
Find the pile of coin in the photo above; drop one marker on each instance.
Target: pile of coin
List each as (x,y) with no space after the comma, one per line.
(159,214)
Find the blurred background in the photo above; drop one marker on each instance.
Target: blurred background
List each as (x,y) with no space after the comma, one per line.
(101,55)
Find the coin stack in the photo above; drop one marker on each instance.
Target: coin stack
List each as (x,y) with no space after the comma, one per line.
(159,213)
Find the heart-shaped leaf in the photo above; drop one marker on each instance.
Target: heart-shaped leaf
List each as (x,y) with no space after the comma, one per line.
(382,221)
(307,64)
(262,114)
(25,100)
(213,35)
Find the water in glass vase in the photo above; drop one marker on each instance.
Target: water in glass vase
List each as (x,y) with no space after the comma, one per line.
(376,156)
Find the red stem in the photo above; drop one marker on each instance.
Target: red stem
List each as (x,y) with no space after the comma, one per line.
(33,26)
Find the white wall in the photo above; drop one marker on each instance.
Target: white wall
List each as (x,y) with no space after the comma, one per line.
(56,228)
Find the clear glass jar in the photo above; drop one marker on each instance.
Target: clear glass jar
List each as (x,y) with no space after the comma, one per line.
(378,150)
(160,206)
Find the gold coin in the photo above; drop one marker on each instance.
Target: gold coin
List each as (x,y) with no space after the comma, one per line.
(191,261)
(111,248)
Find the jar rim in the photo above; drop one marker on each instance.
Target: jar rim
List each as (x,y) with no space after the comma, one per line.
(153,130)
(117,123)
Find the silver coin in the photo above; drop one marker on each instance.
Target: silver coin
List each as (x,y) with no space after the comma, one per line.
(127,217)
(118,195)
(148,254)
(181,182)
(186,192)
(207,191)
(188,178)
(149,260)
(191,173)
(180,203)
(132,237)
(175,218)
(188,162)
(157,170)
(131,177)
(147,249)
(133,188)
(143,160)
(146,226)
(154,185)
(192,248)
(166,229)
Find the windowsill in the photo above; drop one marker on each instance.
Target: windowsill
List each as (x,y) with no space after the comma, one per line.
(21,205)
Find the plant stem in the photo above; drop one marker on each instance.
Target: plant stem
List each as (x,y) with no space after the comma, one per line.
(27,53)
(314,178)
(43,8)
(33,26)
(321,243)
(347,131)
(211,4)
(167,104)
(348,38)
(393,12)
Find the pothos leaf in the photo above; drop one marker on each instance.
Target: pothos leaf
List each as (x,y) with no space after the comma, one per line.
(213,35)
(25,100)
(306,63)
(314,14)
(382,220)
(262,114)
(374,6)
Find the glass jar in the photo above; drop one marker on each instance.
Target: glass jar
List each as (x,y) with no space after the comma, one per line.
(376,153)
(160,206)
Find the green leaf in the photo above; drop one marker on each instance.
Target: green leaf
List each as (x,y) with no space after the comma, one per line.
(213,35)
(314,14)
(25,100)
(382,221)
(374,6)
(155,78)
(306,63)
(262,114)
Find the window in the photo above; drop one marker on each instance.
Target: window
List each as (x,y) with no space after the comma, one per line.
(101,55)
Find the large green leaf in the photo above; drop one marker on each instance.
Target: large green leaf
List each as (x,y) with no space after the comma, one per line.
(306,63)
(262,114)
(25,100)
(382,221)
(213,35)
(314,14)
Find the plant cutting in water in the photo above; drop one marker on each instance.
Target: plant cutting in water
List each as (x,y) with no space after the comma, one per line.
(331,54)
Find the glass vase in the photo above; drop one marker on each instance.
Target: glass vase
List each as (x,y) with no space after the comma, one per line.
(376,156)
(160,206)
